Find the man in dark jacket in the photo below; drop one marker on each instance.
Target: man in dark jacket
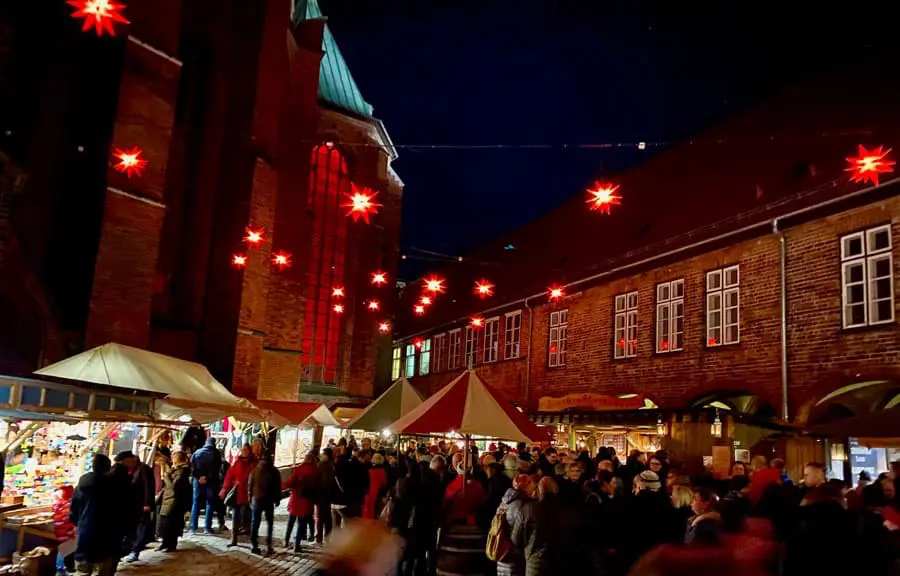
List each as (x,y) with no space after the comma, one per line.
(95,511)
(176,500)
(351,483)
(207,463)
(139,487)
(324,495)
(548,536)
(265,495)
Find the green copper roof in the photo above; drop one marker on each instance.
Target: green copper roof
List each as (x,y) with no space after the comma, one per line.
(336,84)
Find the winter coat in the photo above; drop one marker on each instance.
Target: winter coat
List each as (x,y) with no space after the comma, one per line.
(302,484)
(96,511)
(177,491)
(548,538)
(207,463)
(704,529)
(325,483)
(378,485)
(239,475)
(514,562)
(464,508)
(264,486)
(351,483)
(62,511)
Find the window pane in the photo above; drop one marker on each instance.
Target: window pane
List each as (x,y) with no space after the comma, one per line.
(855,294)
(554,318)
(662,292)
(879,239)
(732,334)
(883,311)
(632,300)
(855,273)
(732,276)
(678,289)
(852,246)
(714,280)
(855,315)
(620,303)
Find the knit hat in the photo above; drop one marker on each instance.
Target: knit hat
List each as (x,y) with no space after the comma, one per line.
(649,481)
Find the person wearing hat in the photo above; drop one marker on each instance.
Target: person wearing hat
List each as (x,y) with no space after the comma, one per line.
(649,501)
(140,489)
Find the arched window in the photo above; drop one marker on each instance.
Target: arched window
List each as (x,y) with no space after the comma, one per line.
(329,182)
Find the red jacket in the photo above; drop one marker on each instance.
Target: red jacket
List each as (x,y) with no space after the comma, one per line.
(63,527)
(760,479)
(377,483)
(302,485)
(464,509)
(239,474)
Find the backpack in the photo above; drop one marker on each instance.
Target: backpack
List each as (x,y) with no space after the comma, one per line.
(498,544)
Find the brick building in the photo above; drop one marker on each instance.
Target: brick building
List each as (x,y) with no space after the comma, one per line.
(248,116)
(674,301)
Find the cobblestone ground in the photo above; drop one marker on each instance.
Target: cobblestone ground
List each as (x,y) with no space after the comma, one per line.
(206,555)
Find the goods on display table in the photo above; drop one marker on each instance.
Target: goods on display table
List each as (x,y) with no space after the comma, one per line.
(293,444)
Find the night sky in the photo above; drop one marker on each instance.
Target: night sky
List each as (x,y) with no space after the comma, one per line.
(562,75)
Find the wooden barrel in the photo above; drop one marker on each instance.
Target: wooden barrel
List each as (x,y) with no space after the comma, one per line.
(461,552)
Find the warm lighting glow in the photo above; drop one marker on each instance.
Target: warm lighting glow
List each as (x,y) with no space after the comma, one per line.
(425,301)
(556,292)
(434,284)
(660,427)
(239,260)
(99,14)
(384,327)
(869,164)
(338,308)
(253,237)
(477,322)
(373,305)
(417,343)
(419,309)
(379,278)
(282,260)
(130,162)
(484,288)
(716,428)
(361,203)
(337,292)
(603,196)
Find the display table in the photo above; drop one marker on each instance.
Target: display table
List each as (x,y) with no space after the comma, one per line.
(24,528)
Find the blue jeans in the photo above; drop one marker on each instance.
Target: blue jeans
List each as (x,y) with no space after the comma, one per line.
(238,517)
(257,511)
(208,494)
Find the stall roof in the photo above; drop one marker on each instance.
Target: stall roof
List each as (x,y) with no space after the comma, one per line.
(296,413)
(393,403)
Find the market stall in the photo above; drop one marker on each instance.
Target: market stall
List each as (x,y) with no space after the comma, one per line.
(396,401)
(297,423)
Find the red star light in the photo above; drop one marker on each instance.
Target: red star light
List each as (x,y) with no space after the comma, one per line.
(361,203)
(484,288)
(239,260)
(379,278)
(282,260)
(384,327)
(129,162)
(337,292)
(477,322)
(419,309)
(434,284)
(253,237)
(338,308)
(418,343)
(556,292)
(603,196)
(425,301)
(99,14)
(869,164)
(373,305)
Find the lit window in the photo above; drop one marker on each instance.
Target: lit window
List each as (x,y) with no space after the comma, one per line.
(867,279)
(491,339)
(440,352)
(723,306)
(410,360)
(559,336)
(513,334)
(454,359)
(425,357)
(396,360)
(669,316)
(471,346)
(626,317)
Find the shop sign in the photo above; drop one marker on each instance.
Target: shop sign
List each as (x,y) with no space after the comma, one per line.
(589,401)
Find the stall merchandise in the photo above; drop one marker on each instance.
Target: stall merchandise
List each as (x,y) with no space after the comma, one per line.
(294,443)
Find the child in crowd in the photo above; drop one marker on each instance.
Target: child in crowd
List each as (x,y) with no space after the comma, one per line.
(65,530)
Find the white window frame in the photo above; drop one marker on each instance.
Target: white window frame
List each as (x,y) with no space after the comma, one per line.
(723,294)
(440,352)
(491,340)
(512,338)
(866,259)
(396,362)
(625,325)
(425,357)
(471,347)
(559,338)
(669,309)
(453,357)
(410,360)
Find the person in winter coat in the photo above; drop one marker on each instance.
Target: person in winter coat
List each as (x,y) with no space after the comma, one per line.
(95,510)
(351,483)
(176,500)
(706,523)
(323,495)
(206,463)
(548,539)
(648,501)
(137,480)
(62,523)
(378,485)
(497,486)
(303,485)
(264,490)
(522,492)
(238,477)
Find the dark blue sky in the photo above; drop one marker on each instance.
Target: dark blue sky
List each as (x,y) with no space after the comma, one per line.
(557,72)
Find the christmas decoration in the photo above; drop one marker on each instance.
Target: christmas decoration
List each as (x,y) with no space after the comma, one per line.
(603,196)
(869,164)
(434,284)
(239,260)
(99,14)
(419,309)
(477,322)
(425,301)
(384,327)
(130,162)
(484,289)
(282,260)
(373,305)
(556,292)
(379,278)
(253,237)
(337,292)
(361,203)
(417,343)
(338,308)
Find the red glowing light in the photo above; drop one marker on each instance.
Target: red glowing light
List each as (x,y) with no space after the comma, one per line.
(254,237)
(434,284)
(477,322)
(239,260)
(484,288)
(379,278)
(337,292)
(98,13)
(418,343)
(869,164)
(711,342)
(361,203)
(384,327)
(282,260)
(338,308)
(603,196)
(556,292)
(425,301)
(419,309)
(130,162)
(373,305)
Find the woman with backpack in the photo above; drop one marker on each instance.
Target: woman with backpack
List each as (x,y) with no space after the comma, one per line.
(510,561)
(302,484)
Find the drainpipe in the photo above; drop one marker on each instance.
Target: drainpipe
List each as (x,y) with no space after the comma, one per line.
(782,268)
(530,347)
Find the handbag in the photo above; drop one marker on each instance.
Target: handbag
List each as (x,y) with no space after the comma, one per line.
(231,497)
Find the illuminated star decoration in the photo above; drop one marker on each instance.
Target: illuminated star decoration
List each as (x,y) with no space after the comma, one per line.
(379,278)
(384,327)
(239,260)
(98,13)
(418,343)
(337,292)
(603,196)
(373,305)
(419,309)
(434,285)
(556,292)
(282,260)
(361,204)
(338,308)
(477,322)
(484,289)
(425,301)
(253,237)
(869,164)
(130,162)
